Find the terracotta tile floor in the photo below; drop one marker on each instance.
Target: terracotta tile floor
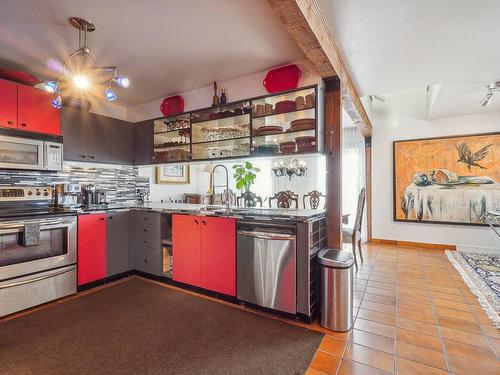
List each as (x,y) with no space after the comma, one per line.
(414,315)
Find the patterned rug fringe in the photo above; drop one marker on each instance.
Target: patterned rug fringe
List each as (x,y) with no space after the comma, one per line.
(490,311)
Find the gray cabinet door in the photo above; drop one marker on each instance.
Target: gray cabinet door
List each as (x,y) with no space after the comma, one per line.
(147,242)
(118,242)
(143,142)
(122,142)
(99,138)
(74,132)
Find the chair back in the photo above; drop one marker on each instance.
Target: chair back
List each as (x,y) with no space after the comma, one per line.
(284,199)
(249,199)
(314,199)
(359,212)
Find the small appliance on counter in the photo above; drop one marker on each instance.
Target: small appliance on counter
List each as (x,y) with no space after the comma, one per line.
(93,198)
(68,195)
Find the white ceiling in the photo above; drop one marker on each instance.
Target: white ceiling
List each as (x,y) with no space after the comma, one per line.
(393,45)
(164,46)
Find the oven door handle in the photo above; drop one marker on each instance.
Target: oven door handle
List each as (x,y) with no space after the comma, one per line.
(16,228)
(35,279)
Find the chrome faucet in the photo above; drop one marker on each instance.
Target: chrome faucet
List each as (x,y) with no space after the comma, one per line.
(227,183)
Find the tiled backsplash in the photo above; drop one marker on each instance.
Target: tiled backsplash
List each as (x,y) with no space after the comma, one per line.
(120,182)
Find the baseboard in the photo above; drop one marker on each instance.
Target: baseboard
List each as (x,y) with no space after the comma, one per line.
(424,245)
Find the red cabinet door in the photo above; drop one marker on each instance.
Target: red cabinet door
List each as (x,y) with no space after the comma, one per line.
(186,247)
(35,112)
(8,104)
(91,248)
(218,254)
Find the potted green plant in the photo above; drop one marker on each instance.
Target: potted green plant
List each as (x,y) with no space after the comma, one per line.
(244,175)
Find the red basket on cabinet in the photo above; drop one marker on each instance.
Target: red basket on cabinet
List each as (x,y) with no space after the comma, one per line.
(281,79)
(172,105)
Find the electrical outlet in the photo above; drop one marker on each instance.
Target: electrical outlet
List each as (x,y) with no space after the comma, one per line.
(447,230)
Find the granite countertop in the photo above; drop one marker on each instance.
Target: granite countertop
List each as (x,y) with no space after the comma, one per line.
(214,210)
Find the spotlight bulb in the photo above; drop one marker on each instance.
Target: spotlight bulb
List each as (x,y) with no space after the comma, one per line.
(57,102)
(81,82)
(110,95)
(51,86)
(122,81)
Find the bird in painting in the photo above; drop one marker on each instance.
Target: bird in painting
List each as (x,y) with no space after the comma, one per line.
(470,158)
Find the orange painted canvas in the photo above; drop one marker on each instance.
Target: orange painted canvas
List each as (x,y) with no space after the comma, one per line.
(447,180)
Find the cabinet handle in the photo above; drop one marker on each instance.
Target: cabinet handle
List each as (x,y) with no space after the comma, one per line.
(145,260)
(204,222)
(101,218)
(83,156)
(24,124)
(110,217)
(92,157)
(145,229)
(146,241)
(145,217)
(196,222)
(10,122)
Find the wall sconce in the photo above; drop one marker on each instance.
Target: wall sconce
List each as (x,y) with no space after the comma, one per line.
(289,167)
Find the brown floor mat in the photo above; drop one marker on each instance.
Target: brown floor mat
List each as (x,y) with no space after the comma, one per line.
(137,327)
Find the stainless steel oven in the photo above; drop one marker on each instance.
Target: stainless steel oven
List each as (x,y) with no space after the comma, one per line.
(23,152)
(38,249)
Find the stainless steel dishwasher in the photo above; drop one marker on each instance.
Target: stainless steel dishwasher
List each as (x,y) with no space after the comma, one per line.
(266,265)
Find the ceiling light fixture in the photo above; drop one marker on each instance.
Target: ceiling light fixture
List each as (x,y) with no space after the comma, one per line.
(81,70)
(492,87)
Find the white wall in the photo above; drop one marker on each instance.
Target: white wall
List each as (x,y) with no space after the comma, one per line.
(388,129)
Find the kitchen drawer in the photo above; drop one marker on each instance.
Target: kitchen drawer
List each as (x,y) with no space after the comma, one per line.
(148,230)
(148,259)
(145,239)
(144,217)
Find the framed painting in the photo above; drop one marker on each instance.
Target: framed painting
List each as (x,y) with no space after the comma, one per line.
(452,180)
(172,174)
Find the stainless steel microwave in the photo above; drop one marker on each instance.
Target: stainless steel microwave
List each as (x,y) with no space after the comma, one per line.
(22,152)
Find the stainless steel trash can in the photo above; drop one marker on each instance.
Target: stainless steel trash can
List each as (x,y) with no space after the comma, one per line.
(336,289)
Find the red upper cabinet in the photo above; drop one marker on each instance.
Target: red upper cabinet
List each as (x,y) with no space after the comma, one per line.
(91,248)
(35,111)
(218,254)
(186,242)
(8,104)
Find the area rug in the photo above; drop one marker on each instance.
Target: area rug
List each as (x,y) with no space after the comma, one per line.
(481,273)
(139,327)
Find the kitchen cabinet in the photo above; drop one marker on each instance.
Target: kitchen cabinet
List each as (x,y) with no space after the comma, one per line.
(204,252)
(91,248)
(218,254)
(94,138)
(147,242)
(35,111)
(99,138)
(186,244)
(8,104)
(74,131)
(122,142)
(143,143)
(117,242)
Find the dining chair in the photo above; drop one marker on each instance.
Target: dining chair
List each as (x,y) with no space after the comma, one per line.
(284,199)
(353,234)
(249,199)
(314,199)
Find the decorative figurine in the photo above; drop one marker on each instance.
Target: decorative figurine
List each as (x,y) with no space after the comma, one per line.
(223,99)
(215,99)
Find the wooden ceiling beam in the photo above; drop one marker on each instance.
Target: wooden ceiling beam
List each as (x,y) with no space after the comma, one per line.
(305,22)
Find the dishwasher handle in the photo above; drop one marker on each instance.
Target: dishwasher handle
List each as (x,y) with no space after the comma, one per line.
(267,235)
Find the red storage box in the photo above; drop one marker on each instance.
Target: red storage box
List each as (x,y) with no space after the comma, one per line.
(172,105)
(281,79)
